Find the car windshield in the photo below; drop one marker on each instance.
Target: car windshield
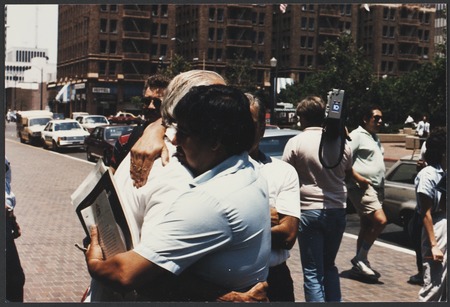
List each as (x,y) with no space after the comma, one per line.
(67,126)
(96,120)
(39,121)
(116,132)
(404,173)
(274,145)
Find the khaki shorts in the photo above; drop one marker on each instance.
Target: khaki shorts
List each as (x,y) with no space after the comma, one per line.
(366,201)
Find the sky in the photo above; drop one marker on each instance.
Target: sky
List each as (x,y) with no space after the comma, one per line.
(25,30)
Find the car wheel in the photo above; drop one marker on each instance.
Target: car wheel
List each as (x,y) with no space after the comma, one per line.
(44,144)
(106,158)
(55,146)
(406,217)
(89,156)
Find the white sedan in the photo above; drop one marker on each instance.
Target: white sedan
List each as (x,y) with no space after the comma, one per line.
(63,133)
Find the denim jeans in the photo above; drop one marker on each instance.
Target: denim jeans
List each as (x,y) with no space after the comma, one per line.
(320,235)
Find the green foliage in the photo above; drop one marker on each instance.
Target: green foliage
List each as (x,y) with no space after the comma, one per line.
(178,64)
(239,73)
(136,100)
(419,92)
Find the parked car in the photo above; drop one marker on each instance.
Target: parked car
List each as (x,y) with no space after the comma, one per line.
(89,122)
(78,114)
(30,124)
(399,192)
(63,133)
(58,116)
(274,141)
(100,143)
(124,118)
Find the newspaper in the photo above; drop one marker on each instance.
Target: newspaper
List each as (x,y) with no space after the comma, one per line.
(97,201)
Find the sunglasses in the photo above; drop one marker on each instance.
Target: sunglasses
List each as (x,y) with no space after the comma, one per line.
(377,118)
(146,101)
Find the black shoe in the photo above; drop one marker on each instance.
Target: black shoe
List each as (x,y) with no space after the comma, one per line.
(416,279)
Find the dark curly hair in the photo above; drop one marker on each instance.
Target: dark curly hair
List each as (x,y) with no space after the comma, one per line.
(217,114)
(436,146)
(157,80)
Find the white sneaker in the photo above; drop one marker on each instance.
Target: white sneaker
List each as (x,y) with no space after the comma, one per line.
(362,267)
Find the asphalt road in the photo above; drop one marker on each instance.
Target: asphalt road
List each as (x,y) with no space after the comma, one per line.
(392,234)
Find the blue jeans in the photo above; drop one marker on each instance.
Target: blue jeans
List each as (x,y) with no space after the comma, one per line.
(320,235)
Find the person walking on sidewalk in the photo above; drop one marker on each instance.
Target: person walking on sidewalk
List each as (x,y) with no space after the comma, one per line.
(431,196)
(367,196)
(323,197)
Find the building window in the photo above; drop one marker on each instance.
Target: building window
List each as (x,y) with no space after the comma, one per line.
(112,68)
(311,24)
(103,8)
(303,23)
(219,35)
(112,47)
(220,15)
(113,26)
(211,33)
(103,25)
(210,54)
(163,30)
(164,10)
(102,68)
(212,14)
(154,50)
(155,29)
(254,18)
(155,10)
(261,36)
(219,53)
(163,50)
(260,57)
(103,45)
(262,17)
(113,8)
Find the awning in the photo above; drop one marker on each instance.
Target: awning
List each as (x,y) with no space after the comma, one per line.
(63,94)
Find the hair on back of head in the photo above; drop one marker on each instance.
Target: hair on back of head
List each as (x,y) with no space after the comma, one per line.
(217,114)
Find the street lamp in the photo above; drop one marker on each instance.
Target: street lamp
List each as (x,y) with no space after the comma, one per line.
(273,81)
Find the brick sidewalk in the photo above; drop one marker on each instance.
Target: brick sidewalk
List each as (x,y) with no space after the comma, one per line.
(56,272)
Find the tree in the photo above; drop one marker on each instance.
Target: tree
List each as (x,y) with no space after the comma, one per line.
(177,65)
(344,67)
(239,73)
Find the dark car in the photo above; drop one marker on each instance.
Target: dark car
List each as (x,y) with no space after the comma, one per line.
(100,143)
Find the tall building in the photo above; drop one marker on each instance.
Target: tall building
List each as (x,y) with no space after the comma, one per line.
(105,52)
(395,37)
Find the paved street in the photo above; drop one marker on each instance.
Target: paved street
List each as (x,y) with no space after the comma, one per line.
(55,270)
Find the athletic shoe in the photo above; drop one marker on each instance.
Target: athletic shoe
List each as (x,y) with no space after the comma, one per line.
(363,267)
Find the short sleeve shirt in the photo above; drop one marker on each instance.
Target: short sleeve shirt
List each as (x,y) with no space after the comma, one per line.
(284,195)
(368,156)
(426,182)
(220,227)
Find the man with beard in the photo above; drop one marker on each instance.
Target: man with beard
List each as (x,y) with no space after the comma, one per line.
(151,101)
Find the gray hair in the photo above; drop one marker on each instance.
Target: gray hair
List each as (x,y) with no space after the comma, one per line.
(180,85)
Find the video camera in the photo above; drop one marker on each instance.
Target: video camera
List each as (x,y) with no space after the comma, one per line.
(333,127)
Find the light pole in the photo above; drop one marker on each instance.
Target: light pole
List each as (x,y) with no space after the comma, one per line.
(273,81)
(15,78)
(42,79)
